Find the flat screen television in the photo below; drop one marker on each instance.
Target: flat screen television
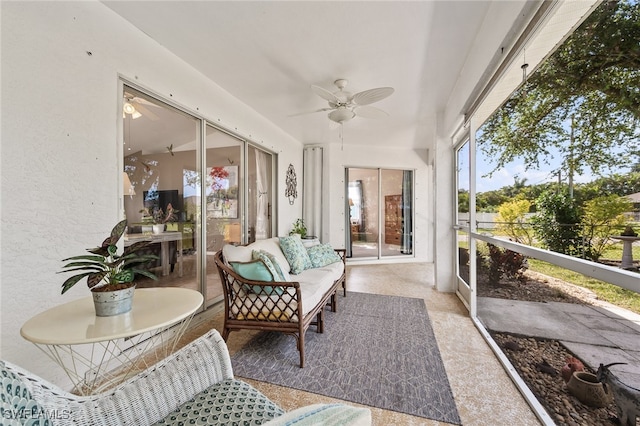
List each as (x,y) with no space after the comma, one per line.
(161,198)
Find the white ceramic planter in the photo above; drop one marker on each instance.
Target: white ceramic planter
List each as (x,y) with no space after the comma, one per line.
(110,303)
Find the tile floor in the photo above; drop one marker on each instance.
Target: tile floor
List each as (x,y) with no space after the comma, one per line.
(483,392)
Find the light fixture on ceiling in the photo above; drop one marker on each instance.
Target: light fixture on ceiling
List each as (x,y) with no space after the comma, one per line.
(127,187)
(127,108)
(341,114)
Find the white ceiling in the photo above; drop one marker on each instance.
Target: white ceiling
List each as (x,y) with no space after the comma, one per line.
(268,54)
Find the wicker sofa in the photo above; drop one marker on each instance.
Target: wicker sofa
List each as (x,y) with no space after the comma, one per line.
(195,385)
(290,304)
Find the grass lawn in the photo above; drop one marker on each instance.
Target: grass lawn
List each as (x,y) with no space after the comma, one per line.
(608,292)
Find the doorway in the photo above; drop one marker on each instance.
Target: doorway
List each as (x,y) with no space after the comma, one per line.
(379,213)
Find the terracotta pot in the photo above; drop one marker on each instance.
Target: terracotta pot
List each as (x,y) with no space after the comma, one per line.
(586,387)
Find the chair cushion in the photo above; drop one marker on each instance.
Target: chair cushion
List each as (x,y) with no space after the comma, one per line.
(230,402)
(322,255)
(295,253)
(16,403)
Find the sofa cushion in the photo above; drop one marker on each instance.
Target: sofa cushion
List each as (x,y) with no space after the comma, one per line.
(295,253)
(233,253)
(16,403)
(230,402)
(271,263)
(256,270)
(322,255)
(272,246)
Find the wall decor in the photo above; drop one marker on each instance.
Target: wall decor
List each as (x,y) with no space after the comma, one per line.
(292,182)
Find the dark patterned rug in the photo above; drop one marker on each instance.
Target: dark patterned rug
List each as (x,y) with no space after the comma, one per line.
(376,350)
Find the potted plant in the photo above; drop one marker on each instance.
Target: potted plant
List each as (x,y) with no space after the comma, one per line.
(109,275)
(299,228)
(158,217)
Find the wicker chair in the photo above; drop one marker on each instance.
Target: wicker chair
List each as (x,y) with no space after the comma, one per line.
(195,384)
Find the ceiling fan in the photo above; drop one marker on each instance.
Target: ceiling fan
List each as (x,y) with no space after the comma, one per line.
(135,106)
(344,105)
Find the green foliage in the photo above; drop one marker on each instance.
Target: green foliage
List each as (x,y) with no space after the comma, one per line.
(299,228)
(512,221)
(582,102)
(557,223)
(463,201)
(602,215)
(104,266)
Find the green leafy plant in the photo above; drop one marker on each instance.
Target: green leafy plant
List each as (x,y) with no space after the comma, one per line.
(512,221)
(299,228)
(104,268)
(602,215)
(159,216)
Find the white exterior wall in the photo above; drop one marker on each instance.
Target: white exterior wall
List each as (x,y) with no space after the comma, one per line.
(61,164)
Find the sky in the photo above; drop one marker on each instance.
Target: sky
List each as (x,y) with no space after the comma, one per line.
(506,176)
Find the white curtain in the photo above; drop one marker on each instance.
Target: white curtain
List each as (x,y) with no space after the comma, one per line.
(312,191)
(262,186)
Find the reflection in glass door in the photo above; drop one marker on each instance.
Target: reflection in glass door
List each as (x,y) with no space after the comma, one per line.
(260,194)
(380,213)
(157,148)
(223,191)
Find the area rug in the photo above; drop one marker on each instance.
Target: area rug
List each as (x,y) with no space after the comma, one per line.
(376,350)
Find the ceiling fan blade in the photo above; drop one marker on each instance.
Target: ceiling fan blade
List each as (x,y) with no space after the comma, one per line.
(372,95)
(144,111)
(325,94)
(139,100)
(310,112)
(368,111)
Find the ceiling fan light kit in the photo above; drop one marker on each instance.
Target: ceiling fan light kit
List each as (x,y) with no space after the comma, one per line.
(344,105)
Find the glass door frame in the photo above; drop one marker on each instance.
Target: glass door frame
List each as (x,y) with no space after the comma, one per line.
(380,212)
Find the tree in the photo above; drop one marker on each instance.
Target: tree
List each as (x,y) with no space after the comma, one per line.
(602,215)
(557,223)
(512,221)
(583,102)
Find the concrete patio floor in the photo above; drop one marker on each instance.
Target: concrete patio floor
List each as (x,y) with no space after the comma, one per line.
(595,334)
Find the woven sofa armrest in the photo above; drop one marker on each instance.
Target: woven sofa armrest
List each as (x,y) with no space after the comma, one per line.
(145,398)
(325,415)
(262,305)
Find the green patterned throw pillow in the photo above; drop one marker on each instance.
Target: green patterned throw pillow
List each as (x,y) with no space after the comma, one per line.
(271,263)
(231,402)
(17,405)
(322,255)
(295,253)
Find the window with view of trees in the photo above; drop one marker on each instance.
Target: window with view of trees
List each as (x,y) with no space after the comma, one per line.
(557,173)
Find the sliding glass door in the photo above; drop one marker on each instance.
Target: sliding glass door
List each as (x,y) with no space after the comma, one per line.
(380,213)
(160,202)
(189,188)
